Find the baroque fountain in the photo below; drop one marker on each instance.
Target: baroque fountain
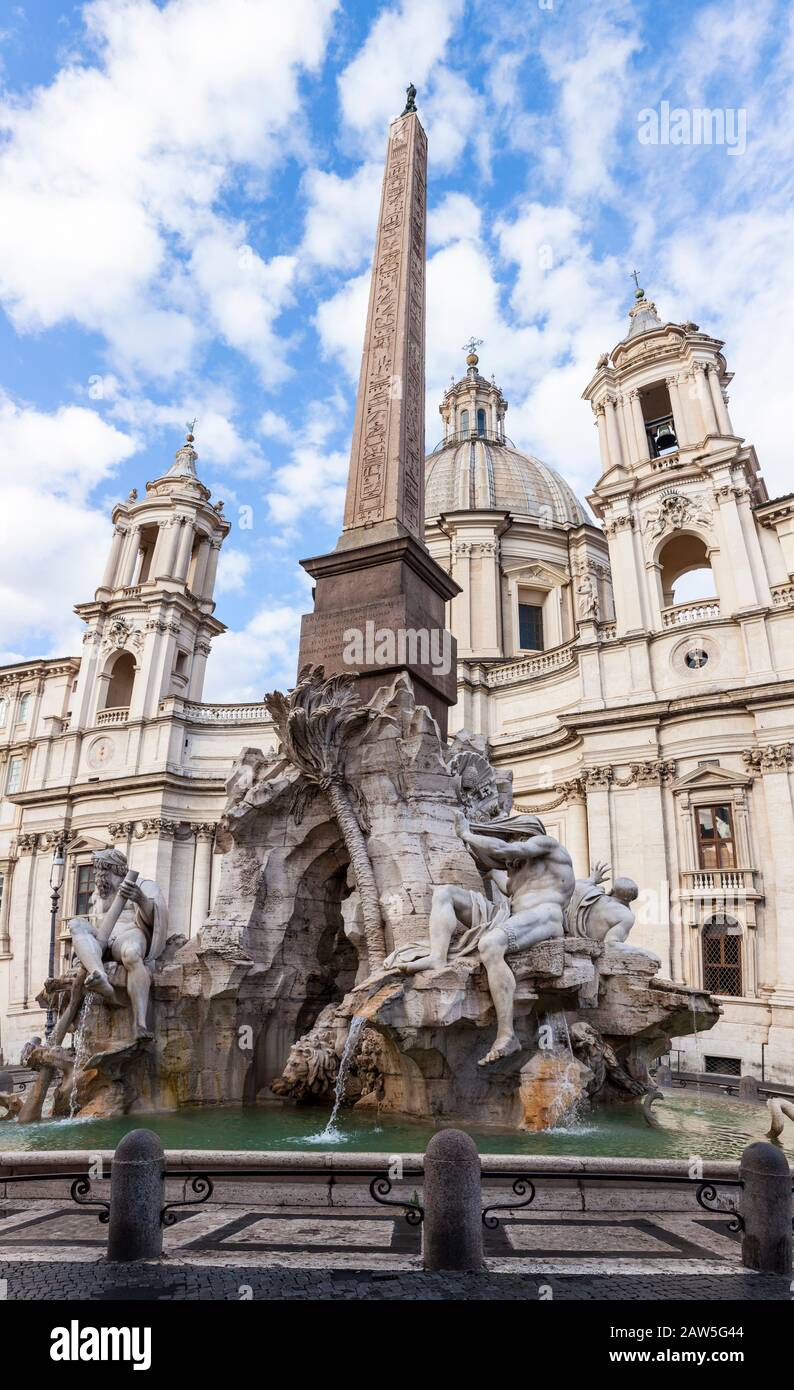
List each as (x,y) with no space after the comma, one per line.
(386,932)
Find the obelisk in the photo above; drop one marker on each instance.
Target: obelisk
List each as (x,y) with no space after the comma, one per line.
(379,601)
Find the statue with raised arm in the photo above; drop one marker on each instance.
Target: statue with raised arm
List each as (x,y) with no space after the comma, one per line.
(131,930)
(599,915)
(532,880)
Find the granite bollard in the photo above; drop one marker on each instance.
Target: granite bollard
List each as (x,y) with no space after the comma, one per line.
(766,1209)
(137,1186)
(452,1227)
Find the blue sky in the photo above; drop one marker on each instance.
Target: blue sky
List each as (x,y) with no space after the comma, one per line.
(188,193)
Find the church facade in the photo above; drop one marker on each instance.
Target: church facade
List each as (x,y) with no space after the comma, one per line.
(634,672)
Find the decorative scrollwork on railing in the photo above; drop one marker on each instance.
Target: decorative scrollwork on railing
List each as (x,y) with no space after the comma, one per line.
(379,1190)
(707,1194)
(80,1192)
(521,1186)
(201,1185)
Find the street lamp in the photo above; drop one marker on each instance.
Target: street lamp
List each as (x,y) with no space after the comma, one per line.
(56,884)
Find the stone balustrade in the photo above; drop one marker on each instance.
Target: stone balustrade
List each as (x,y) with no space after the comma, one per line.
(681,614)
(226,714)
(541,664)
(119,714)
(782,595)
(719,880)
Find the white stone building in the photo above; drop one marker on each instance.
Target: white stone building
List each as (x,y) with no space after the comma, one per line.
(115,747)
(636,675)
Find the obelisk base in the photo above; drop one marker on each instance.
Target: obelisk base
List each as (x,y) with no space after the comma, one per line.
(380,609)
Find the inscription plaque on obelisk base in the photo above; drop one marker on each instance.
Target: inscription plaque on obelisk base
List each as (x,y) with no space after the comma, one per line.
(379,599)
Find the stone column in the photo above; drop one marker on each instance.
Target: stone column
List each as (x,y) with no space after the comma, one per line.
(734,548)
(170,548)
(626,580)
(212,567)
(111,568)
(597,781)
(643,452)
(704,397)
(184,550)
(775,763)
(202,873)
(202,560)
(720,408)
(603,442)
(129,558)
(613,437)
(680,421)
(197,670)
(160,549)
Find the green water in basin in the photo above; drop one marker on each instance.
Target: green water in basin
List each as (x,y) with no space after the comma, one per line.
(717,1127)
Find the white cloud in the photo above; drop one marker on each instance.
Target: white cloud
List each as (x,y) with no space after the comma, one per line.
(67,452)
(341,320)
(342,216)
(262,656)
(48,464)
(110,174)
(410,39)
(455,217)
(234,567)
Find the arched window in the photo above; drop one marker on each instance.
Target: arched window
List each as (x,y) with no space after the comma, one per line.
(722,955)
(119,691)
(686,572)
(481,422)
(464,422)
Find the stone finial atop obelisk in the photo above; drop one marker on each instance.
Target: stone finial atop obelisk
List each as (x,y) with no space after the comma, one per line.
(385,484)
(379,596)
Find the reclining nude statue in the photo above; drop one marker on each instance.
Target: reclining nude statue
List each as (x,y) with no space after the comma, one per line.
(132,930)
(533,879)
(602,916)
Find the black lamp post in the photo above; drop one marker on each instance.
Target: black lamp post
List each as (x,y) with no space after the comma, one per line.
(56,884)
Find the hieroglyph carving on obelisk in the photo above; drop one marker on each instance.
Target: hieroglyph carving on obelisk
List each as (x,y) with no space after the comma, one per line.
(387,454)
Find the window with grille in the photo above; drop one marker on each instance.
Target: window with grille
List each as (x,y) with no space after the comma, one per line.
(722,959)
(716,848)
(530,627)
(84,890)
(725,1066)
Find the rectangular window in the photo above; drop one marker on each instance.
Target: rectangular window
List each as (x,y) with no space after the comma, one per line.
(84,890)
(724,1066)
(530,627)
(14,779)
(23,708)
(3,711)
(716,849)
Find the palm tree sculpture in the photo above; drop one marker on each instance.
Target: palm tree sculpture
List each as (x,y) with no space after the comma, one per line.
(316,722)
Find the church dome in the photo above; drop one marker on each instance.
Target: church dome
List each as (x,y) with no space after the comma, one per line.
(489,474)
(477,468)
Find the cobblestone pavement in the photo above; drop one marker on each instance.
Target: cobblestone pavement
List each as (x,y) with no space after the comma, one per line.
(102,1282)
(252,1238)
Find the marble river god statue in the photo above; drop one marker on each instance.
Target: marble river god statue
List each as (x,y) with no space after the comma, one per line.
(534,880)
(132,932)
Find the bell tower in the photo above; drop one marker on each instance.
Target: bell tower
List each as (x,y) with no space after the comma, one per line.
(151,621)
(678,486)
